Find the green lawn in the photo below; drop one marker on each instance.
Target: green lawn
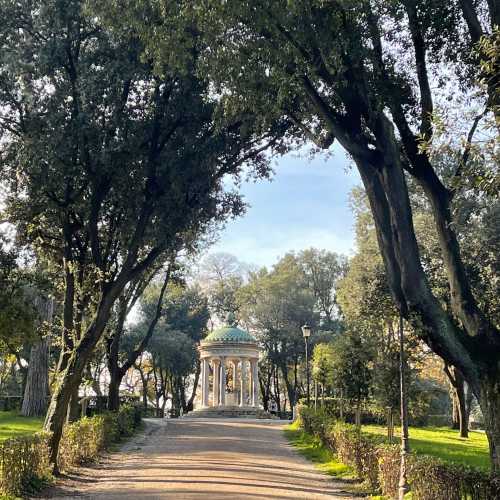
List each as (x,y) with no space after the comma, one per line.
(12,425)
(445,444)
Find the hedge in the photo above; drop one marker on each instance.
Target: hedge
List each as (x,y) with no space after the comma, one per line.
(24,460)
(378,464)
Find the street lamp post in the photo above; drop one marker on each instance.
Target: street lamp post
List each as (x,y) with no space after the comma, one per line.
(405,446)
(306,332)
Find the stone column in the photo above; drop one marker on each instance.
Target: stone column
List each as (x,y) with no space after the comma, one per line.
(205,388)
(243,364)
(216,389)
(235,371)
(255,382)
(222,398)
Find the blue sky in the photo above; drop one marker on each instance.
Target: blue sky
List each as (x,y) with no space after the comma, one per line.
(305,205)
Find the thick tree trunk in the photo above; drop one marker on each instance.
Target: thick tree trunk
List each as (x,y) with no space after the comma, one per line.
(37,382)
(58,408)
(460,415)
(489,401)
(74,412)
(71,366)
(115,379)
(472,348)
(289,387)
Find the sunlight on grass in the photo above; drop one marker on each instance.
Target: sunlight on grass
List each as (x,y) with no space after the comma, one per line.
(445,444)
(12,425)
(312,449)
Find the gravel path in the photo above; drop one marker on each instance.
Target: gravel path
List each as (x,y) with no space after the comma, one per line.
(211,459)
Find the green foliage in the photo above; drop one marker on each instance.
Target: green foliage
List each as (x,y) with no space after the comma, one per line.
(431,479)
(82,441)
(221,276)
(322,364)
(23,463)
(357,450)
(85,439)
(17,314)
(389,460)
(351,357)
(127,420)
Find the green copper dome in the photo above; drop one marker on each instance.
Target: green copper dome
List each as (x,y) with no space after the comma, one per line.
(230,334)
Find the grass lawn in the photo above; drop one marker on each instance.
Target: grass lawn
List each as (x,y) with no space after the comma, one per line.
(445,444)
(12,425)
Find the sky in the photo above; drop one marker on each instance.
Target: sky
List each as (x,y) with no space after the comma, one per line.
(305,205)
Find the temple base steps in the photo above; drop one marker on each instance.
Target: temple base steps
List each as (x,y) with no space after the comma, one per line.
(230,412)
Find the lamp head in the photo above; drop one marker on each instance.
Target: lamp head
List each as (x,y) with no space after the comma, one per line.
(306,331)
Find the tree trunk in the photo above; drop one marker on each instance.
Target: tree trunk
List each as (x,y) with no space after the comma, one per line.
(265,388)
(57,412)
(455,411)
(74,406)
(72,365)
(489,401)
(116,371)
(357,415)
(472,347)
(144,381)
(37,382)
(460,411)
(190,403)
(115,379)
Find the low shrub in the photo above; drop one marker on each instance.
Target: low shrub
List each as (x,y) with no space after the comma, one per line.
(378,464)
(315,422)
(126,420)
(82,441)
(432,479)
(357,450)
(23,462)
(389,459)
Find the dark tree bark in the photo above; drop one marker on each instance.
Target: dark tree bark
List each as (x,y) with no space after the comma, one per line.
(190,402)
(460,410)
(365,125)
(125,303)
(265,387)
(74,412)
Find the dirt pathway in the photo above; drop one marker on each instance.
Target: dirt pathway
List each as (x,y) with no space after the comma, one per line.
(210,459)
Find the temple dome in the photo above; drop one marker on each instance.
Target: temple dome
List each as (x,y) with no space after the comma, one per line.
(229,334)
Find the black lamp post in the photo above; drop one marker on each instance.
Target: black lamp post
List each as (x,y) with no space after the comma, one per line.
(405,446)
(306,332)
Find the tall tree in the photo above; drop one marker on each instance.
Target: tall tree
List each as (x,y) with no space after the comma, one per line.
(112,162)
(126,301)
(369,74)
(323,270)
(275,304)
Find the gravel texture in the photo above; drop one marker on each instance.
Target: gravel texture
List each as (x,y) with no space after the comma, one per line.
(196,458)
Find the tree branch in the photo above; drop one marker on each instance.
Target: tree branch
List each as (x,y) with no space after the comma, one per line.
(426,105)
